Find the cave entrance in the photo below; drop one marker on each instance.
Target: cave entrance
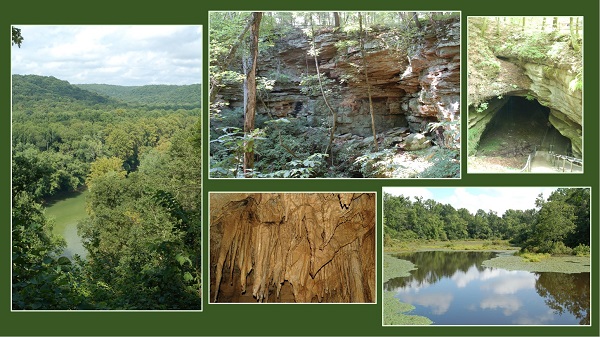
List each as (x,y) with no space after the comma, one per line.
(518,128)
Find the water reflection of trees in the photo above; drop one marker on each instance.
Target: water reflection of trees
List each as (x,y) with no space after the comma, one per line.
(566,292)
(435,265)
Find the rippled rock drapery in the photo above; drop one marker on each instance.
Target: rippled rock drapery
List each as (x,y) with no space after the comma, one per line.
(292,247)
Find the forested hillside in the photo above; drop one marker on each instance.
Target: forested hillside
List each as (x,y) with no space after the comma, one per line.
(29,91)
(559,224)
(141,166)
(172,96)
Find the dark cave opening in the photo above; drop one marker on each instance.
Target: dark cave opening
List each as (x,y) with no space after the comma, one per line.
(520,127)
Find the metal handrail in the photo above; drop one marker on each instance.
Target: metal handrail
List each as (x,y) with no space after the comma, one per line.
(527,167)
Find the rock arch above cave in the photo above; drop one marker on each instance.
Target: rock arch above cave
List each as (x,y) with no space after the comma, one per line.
(503,63)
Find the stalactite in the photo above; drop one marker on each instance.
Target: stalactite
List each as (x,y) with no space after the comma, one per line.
(321,244)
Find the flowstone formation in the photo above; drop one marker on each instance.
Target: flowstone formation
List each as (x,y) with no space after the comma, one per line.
(543,66)
(292,247)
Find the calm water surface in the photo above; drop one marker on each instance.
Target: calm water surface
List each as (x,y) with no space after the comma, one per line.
(452,288)
(66,213)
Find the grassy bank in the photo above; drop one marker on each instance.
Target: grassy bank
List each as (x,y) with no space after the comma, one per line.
(458,245)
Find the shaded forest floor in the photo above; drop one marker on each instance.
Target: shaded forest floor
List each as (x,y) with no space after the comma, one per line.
(293,148)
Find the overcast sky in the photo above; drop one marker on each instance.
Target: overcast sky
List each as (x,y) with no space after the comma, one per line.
(497,199)
(116,54)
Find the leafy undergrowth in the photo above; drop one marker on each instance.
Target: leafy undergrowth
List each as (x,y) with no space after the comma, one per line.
(434,162)
(288,148)
(552,264)
(394,311)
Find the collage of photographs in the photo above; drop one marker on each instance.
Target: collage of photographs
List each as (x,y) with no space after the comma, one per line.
(154,169)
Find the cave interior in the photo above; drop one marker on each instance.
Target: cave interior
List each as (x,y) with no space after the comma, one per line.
(520,126)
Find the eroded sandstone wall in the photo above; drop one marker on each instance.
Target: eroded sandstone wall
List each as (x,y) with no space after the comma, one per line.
(548,79)
(410,87)
(320,244)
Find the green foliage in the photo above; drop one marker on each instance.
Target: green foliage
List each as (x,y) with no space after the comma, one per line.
(143,242)
(40,279)
(559,226)
(44,173)
(103,166)
(343,45)
(490,67)
(309,85)
(227,161)
(581,250)
(482,107)
(372,164)
(534,257)
(280,77)
(143,233)
(445,162)
(17,38)
(577,83)
(531,47)
(51,89)
(156,96)
(311,167)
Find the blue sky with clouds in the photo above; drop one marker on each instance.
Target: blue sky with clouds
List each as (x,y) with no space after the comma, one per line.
(115,54)
(497,199)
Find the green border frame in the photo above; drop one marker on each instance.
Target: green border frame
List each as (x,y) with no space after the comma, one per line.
(335,319)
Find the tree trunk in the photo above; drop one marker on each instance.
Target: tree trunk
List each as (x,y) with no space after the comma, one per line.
(362,52)
(543,23)
(416,18)
(555,23)
(336,19)
(250,108)
(572,31)
(523,29)
(497,26)
(333,112)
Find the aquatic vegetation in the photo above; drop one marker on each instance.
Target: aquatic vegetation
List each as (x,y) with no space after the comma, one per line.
(394,267)
(395,312)
(534,257)
(556,264)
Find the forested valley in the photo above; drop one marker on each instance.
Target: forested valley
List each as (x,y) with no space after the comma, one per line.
(558,225)
(334,94)
(136,150)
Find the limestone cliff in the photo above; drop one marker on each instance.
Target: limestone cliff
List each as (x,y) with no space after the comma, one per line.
(539,65)
(410,87)
(292,247)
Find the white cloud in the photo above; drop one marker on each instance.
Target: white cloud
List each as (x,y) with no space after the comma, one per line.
(116,54)
(439,303)
(508,304)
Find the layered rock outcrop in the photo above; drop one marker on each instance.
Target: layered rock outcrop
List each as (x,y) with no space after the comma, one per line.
(409,88)
(292,247)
